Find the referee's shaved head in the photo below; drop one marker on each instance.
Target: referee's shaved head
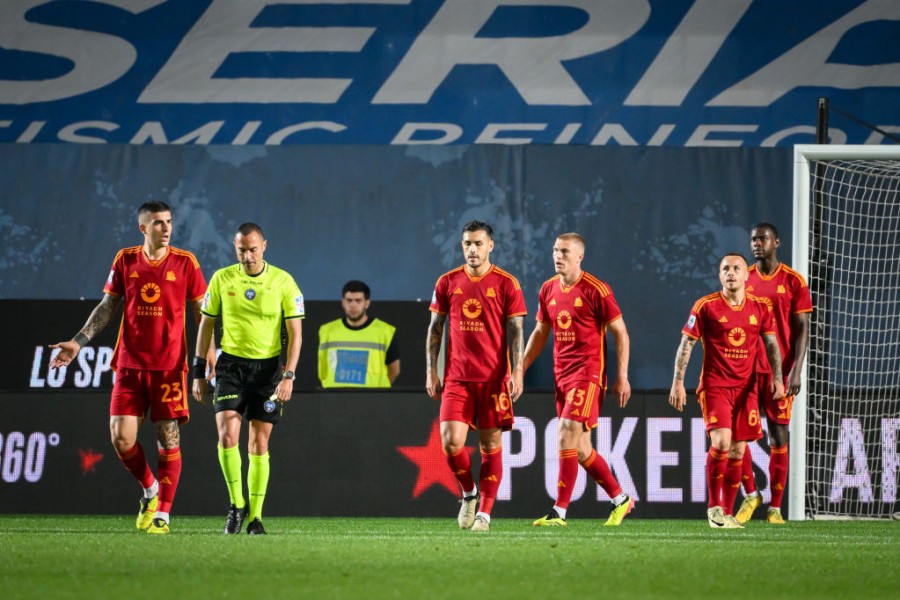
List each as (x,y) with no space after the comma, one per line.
(248,228)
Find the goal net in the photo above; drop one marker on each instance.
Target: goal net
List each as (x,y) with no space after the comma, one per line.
(846,421)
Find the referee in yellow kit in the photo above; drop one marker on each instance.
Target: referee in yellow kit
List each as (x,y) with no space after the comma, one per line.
(253,298)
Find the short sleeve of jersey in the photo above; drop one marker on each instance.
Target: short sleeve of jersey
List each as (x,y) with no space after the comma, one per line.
(694,326)
(801,301)
(608,309)
(768,322)
(115,282)
(197,285)
(515,299)
(212,301)
(292,300)
(540,314)
(439,301)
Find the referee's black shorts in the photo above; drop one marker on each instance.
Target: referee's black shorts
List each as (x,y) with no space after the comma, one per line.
(246,385)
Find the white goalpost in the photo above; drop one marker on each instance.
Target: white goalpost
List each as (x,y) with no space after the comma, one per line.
(845,426)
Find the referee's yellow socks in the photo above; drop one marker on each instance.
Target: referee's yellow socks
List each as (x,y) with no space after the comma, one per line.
(257,482)
(230,459)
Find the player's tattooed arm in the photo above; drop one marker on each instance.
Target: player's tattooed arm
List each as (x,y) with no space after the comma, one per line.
(678,395)
(515,333)
(683,356)
(101,316)
(435,335)
(168,435)
(432,351)
(774,354)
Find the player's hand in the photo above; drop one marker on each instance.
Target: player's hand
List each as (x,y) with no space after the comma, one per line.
(677,396)
(433,385)
(777,389)
(793,386)
(284,390)
(67,353)
(516,385)
(622,390)
(200,389)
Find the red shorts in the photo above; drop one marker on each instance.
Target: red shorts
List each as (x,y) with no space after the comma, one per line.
(480,404)
(580,401)
(731,408)
(777,411)
(164,393)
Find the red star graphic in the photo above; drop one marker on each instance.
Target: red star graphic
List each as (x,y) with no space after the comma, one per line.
(432,463)
(89,460)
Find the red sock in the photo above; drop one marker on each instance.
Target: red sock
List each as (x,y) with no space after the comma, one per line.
(716,464)
(568,473)
(136,463)
(778,470)
(747,477)
(491,472)
(598,469)
(169,473)
(732,483)
(461,465)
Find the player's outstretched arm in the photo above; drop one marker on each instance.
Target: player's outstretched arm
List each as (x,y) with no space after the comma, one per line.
(622,388)
(678,395)
(100,317)
(432,350)
(515,335)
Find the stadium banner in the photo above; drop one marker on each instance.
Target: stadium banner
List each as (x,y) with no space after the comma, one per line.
(656,220)
(437,72)
(357,454)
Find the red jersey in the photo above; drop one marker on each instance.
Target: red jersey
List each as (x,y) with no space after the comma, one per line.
(477,309)
(731,338)
(152,335)
(579,315)
(789,294)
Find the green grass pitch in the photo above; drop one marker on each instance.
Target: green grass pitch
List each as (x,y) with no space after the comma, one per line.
(56,557)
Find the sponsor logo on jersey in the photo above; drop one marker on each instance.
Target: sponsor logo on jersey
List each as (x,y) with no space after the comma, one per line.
(150,293)
(170,276)
(753,320)
(563,319)
(471,308)
(737,336)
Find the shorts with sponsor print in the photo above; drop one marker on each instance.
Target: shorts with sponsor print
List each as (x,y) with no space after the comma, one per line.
(736,409)
(246,385)
(480,404)
(777,411)
(163,393)
(580,401)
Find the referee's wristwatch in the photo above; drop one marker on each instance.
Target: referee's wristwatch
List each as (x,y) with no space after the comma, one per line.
(288,375)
